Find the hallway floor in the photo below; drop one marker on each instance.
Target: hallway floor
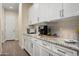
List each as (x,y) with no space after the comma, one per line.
(11,48)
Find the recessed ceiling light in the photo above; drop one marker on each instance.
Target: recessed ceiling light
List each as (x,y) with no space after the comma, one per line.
(11,7)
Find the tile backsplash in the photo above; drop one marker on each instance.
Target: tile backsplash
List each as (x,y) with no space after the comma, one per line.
(65,29)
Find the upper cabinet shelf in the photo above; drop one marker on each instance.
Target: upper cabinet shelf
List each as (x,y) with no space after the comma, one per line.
(46,12)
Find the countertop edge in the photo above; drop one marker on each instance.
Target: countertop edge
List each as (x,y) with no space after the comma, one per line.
(63,45)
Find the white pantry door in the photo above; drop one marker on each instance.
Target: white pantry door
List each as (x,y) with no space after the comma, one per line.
(10,26)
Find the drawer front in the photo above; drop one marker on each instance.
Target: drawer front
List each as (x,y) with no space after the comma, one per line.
(46,44)
(64,51)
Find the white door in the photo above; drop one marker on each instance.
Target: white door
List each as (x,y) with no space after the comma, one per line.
(10,23)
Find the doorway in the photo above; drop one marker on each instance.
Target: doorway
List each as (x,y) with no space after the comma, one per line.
(10,25)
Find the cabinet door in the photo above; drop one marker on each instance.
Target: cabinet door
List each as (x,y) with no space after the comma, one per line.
(30,45)
(26,44)
(63,51)
(43,12)
(30,15)
(33,13)
(49,11)
(71,9)
(36,49)
(44,52)
(54,11)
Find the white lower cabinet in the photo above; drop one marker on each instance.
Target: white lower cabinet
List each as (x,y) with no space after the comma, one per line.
(63,51)
(44,52)
(36,47)
(47,52)
(28,45)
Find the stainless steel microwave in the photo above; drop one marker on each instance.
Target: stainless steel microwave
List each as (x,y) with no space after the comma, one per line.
(31,31)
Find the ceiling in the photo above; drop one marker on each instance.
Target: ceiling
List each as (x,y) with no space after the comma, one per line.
(11,6)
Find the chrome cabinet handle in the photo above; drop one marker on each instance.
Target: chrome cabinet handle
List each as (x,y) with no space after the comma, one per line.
(62,12)
(61,51)
(32,45)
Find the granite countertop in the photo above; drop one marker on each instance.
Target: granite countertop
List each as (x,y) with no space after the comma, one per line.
(56,40)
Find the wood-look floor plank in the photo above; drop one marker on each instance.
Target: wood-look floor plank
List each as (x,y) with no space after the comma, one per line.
(11,48)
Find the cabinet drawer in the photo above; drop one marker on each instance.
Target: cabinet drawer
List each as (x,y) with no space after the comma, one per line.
(37,41)
(64,51)
(46,44)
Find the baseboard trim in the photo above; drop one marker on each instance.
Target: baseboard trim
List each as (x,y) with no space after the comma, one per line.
(27,52)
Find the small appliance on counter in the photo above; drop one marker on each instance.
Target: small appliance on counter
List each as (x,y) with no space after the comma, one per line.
(31,30)
(43,30)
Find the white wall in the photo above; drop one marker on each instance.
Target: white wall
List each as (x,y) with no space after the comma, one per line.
(22,22)
(1,28)
(19,36)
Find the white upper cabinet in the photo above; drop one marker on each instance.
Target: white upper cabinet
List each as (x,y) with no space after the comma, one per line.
(33,13)
(43,12)
(46,12)
(54,11)
(70,9)
(30,15)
